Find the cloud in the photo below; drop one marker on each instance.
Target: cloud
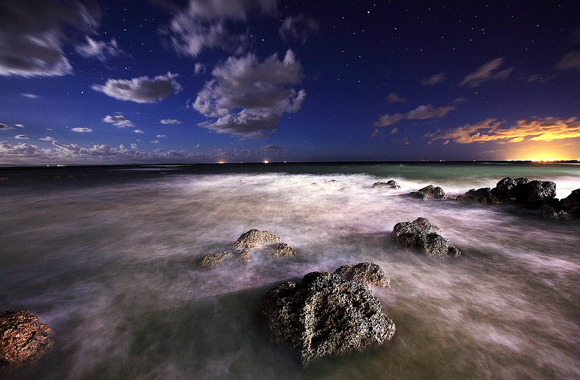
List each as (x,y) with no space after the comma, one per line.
(155,142)
(119,121)
(533,129)
(487,72)
(394,131)
(170,121)
(82,130)
(30,96)
(420,113)
(161,136)
(5,127)
(248,97)
(433,79)
(142,89)
(569,61)
(21,149)
(204,24)
(394,98)
(100,50)
(199,68)
(298,28)
(21,137)
(138,131)
(32,34)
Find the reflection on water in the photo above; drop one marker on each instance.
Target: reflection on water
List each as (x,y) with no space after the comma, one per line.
(112,269)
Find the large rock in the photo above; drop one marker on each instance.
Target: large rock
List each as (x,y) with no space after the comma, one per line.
(366,273)
(483,195)
(571,203)
(325,315)
(421,235)
(534,193)
(507,188)
(429,191)
(255,238)
(22,336)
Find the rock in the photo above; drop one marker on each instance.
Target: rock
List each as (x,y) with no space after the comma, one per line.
(366,273)
(483,195)
(325,315)
(434,191)
(22,336)
(571,203)
(507,188)
(464,198)
(281,250)
(549,212)
(418,195)
(423,236)
(255,238)
(390,183)
(535,192)
(214,259)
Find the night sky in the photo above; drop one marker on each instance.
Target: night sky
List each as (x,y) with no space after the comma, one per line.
(114,82)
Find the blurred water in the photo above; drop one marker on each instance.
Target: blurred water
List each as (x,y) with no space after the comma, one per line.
(109,262)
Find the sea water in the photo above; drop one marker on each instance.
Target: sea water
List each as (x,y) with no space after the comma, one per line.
(107,257)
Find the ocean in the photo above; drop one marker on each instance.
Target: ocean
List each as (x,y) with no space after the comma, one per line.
(107,257)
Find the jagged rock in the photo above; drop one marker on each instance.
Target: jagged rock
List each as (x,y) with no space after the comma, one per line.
(507,188)
(422,235)
(390,183)
(464,198)
(367,273)
(22,336)
(536,192)
(214,259)
(255,238)
(418,195)
(325,315)
(549,212)
(483,195)
(281,250)
(434,191)
(571,203)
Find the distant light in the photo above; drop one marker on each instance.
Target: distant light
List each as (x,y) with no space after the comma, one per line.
(221,162)
(266,161)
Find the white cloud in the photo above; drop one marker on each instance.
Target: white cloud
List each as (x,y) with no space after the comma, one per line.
(298,28)
(5,127)
(569,61)
(142,89)
(433,79)
(420,113)
(82,130)
(118,121)
(487,72)
(394,98)
(100,50)
(249,97)
(170,121)
(32,35)
(30,96)
(138,131)
(199,68)
(204,24)
(21,137)
(155,142)
(161,136)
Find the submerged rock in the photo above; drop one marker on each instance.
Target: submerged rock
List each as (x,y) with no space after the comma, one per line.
(22,336)
(255,238)
(366,273)
(214,259)
(325,315)
(390,183)
(421,235)
(429,191)
(281,250)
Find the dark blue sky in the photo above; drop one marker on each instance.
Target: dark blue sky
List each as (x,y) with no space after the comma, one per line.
(241,80)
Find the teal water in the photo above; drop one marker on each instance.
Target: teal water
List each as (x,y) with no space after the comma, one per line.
(107,257)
